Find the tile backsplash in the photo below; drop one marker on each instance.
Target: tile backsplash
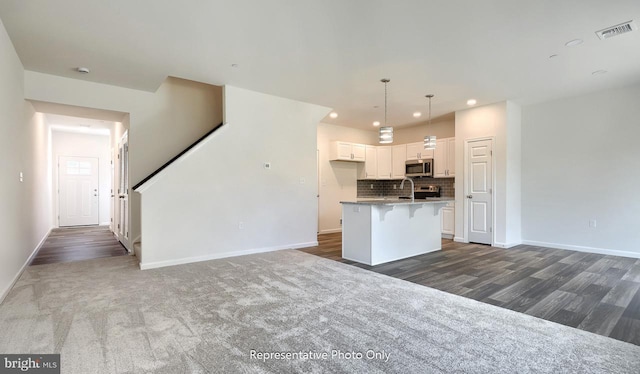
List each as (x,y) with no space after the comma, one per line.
(380,188)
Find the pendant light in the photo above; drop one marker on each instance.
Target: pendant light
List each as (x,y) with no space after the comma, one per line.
(385,136)
(430,140)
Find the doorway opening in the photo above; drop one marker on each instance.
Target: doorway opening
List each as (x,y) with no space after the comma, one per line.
(88,160)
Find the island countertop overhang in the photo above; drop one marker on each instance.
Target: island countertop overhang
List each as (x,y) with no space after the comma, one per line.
(430,200)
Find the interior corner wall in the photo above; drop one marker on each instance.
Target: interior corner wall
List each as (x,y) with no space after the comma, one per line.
(25,218)
(489,121)
(441,129)
(513,203)
(161,123)
(84,145)
(337,179)
(235,205)
(580,164)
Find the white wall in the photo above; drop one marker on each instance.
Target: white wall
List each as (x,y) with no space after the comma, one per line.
(25,216)
(161,124)
(222,185)
(501,122)
(337,179)
(444,128)
(84,145)
(580,160)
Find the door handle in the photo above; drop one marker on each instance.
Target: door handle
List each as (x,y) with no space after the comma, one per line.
(469,196)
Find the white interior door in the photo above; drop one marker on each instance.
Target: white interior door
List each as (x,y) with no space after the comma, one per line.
(479,199)
(122,228)
(78,183)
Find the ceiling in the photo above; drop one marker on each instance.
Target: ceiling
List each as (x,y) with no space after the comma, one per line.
(79,125)
(334,52)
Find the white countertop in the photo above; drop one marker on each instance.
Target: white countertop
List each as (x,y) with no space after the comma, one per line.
(396,201)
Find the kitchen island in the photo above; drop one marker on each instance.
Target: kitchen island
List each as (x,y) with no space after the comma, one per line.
(378,231)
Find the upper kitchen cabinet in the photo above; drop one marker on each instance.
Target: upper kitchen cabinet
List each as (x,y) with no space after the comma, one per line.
(416,151)
(383,162)
(371,163)
(444,160)
(344,151)
(398,159)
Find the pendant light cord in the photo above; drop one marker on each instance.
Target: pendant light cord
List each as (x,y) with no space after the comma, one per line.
(385,103)
(385,81)
(430,96)
(429,111)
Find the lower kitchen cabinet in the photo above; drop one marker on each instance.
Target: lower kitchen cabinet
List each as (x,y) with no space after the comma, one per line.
(447,221)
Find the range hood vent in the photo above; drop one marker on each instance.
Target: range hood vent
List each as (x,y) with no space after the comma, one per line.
(616,30)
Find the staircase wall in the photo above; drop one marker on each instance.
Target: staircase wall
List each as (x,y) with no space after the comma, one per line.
(219,200)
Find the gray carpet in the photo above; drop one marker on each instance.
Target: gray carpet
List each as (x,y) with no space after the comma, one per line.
(106,316)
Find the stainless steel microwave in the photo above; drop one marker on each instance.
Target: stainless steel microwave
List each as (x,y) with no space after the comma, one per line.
(419,168)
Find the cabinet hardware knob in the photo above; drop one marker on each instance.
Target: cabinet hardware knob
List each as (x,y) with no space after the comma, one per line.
(469,196)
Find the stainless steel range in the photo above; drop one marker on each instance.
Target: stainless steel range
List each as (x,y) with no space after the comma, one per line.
(427,191)
(424,192)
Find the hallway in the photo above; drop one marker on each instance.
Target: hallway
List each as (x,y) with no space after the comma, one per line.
(77,244)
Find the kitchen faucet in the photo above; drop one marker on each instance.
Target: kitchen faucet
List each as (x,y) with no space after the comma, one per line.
(412,187)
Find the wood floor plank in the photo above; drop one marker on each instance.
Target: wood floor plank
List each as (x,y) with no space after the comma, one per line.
(622,293)
(628,330)
(602,319)
(515,290)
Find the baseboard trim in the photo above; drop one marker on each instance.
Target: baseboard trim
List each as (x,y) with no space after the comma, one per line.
(505,245)
(458,239)
(215,256)
(6,291)
(579,248)
(329,231)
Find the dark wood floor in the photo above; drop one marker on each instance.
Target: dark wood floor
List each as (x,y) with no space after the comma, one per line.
(591,292)
(78,243)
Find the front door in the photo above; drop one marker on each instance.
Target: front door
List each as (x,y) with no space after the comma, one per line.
(78,191)
(479,199)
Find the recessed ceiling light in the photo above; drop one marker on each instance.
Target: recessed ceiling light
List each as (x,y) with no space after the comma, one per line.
(599,72)
(417,114)
(82,70)
(376,123)
(574,42)
(333,115)
(471,102)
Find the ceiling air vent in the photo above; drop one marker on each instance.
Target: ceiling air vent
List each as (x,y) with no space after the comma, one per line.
(616,30)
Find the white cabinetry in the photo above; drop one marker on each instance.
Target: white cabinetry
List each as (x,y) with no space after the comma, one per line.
(398,159)
(371,162)
(383,162)
(416,151)
(447,221)
(345,151)
(444,158)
